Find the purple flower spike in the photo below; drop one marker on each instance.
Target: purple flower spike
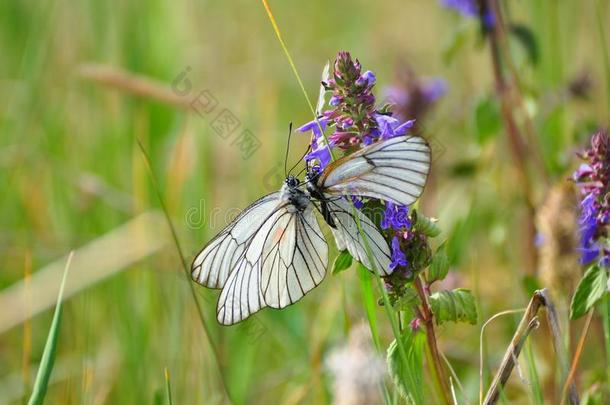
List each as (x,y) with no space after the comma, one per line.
(593,178)
(321,154)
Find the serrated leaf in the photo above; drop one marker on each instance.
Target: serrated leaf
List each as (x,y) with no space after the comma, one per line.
(592,287)
(455,306)
(440,265)
(408,377)
(426,225)
(342,262)
(487,119)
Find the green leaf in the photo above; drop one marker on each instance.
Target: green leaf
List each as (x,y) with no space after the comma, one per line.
(342,262)
(408,299)
(50,348)
(440,265)
(408,377)
(426,225)
(527,39)
(487,119)
(456,306)
(591,288)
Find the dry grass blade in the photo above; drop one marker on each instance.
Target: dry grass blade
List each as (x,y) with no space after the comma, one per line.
(527,324)
(137,85)
(129,243)
(579,349)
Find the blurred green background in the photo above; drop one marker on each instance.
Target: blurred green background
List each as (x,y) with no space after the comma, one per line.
(71,173)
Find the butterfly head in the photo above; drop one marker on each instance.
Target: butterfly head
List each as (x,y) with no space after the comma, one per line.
(291,182)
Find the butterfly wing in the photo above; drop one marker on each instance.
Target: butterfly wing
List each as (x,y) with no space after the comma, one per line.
(348,236)
(284,259)
(392,170)
(295,256)
(213,265)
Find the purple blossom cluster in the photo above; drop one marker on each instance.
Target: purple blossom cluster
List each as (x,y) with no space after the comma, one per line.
(413,97)
(355,122)
(353,116)
(593,179)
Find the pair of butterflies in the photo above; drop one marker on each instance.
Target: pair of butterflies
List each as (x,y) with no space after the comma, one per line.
(274,252)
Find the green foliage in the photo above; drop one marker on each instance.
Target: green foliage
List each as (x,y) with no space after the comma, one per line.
(455,306)
(408,377)
(407,300)
(526,38)
(487,119)
(342,262)
(440,265)
(50,349)
(426,225)
(592,287)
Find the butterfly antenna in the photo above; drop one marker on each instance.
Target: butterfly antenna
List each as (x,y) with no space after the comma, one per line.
(287,149)
(299,161)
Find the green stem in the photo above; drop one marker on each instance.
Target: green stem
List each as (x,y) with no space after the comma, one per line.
(606,323)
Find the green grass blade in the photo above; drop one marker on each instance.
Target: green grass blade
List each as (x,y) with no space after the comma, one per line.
(369,303)
(536,388)
(50,348)
(168,388)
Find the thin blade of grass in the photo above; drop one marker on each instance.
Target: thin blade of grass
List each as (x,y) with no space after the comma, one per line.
(536,389)
(369,303)
(50,348)
(185,266)
(168,388)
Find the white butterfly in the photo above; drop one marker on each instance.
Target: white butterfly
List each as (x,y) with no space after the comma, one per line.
(274,252)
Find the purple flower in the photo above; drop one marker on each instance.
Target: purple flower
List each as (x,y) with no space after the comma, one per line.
(368,78)
(434,89)
(470,8)
(412,96)
(321,153)
(317,126)
(396,217)
(398,257)
(357,201)
(390,127)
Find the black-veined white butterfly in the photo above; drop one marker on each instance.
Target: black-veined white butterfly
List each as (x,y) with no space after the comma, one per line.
(274,252)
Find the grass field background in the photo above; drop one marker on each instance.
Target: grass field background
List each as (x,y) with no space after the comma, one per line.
(71,173)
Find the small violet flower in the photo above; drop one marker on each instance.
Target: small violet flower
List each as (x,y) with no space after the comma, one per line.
(398,256)
(396,217)
(413,97)
(390,127)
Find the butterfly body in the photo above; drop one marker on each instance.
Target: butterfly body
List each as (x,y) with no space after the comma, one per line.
(311,180)
(274,252)
(290,193)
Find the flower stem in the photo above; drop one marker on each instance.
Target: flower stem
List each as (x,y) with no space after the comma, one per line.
(516,140)
(436,367)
